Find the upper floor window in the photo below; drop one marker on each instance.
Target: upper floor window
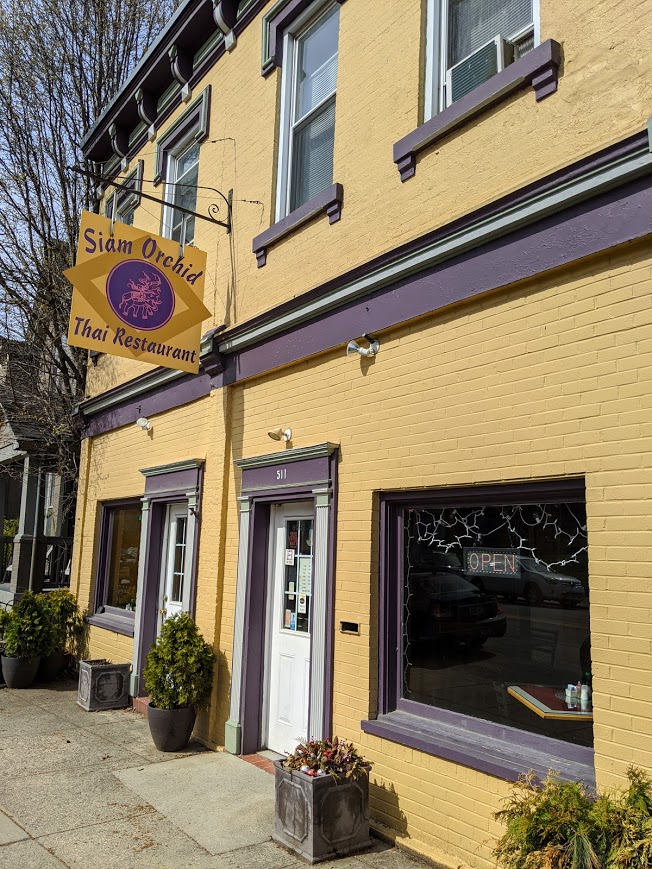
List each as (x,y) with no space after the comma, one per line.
(124,200)
(181,190)
(308,109)
(469,41)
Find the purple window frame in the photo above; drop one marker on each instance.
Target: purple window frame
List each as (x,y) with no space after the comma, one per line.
(104,616)
(496,749)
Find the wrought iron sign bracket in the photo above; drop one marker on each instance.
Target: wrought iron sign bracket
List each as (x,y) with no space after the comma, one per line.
(213,208)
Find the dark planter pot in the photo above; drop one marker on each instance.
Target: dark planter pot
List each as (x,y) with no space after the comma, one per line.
(321,817)
(51,666)
(19,672)
(171,729)
(103,685)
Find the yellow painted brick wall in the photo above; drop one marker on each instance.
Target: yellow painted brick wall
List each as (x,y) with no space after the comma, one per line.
(551,377)
(110,470)
(604,95)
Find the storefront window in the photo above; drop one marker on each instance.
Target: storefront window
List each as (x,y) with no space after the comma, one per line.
(122,575)
(495,614)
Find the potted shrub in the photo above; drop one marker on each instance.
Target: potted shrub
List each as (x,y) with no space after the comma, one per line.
(561,825)
(322,800)
(27,637)
(178,679)
(66,621)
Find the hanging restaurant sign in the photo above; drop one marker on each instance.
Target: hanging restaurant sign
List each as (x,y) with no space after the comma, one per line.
(135,296)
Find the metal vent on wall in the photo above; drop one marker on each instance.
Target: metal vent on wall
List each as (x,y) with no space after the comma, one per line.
(475,69)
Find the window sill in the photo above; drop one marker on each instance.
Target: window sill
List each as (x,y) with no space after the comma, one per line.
(328,201)
(538,68)
(497,750)
(110,621)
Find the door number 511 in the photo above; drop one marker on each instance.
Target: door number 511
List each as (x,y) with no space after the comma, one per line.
(281,474)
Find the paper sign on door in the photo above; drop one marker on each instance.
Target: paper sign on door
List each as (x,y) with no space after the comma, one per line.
(305,570)
(289,557)
(301,604)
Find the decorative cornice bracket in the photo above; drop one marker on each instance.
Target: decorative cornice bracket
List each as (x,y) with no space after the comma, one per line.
(180,64)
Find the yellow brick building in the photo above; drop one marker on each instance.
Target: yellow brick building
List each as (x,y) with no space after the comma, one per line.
(448,531)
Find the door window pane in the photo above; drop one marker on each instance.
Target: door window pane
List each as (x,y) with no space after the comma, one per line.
(496,612)
(123,558)
(179,561)
(298,566)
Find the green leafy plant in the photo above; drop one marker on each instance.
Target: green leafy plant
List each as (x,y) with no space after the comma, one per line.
(64,616)
(5,618)
(561,825)
(334,757)
(179,667)
(28,633)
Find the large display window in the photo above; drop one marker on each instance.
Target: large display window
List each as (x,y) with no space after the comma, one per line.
(484,624)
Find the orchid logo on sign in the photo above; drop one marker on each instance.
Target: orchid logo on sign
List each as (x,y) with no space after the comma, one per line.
(140,295)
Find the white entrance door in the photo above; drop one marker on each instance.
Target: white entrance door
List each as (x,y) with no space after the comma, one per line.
(175,580)
(288,627)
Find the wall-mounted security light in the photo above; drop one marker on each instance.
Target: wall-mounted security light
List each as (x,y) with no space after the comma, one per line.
(144,423)
(281,433)
(353,347)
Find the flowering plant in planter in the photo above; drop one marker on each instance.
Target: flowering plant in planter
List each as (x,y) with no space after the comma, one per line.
(334,757)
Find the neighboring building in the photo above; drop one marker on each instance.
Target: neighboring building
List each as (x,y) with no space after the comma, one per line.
(37,530)
(458,519)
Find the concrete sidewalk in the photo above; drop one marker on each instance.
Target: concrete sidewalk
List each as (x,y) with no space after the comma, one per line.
(83,789)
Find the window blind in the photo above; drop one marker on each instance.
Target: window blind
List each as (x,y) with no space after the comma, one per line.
(472,23)
(313,156)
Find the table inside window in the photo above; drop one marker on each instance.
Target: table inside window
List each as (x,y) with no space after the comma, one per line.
(548,702)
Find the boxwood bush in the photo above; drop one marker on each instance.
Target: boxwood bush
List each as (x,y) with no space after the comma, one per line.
(179,667)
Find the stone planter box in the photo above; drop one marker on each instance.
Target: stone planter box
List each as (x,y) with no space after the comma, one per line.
(321,817)
(103,685)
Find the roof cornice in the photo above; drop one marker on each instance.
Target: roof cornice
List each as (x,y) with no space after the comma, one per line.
(192,26)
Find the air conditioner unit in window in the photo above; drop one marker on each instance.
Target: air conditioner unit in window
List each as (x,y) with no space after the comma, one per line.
(477,68)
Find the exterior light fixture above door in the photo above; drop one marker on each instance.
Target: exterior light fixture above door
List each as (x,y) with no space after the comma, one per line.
(282,433)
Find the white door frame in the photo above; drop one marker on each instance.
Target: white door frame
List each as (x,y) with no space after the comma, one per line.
(174,511)
(291,510)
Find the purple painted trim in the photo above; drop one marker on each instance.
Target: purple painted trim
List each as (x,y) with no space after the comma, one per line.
(333,463)
(328,201)
(591,163)
(255,629)
(477,748)
(277,25)
(171,395)
(306,473)
(172,485)
(110,622)
(104,616)
(494,748)
(538,68)
(588,228)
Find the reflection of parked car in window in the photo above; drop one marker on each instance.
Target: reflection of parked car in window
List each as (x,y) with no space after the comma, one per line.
(445,607)
(536,583)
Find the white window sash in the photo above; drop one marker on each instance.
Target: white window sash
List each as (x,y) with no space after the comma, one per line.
(171,185)
(437,51)
(288,125)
